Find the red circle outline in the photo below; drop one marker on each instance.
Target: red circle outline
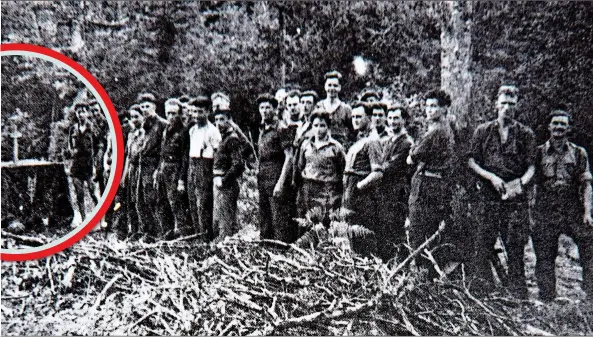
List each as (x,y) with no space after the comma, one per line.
(118,160)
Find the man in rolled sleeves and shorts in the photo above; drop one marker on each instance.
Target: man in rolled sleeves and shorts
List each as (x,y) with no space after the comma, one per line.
(200,143)
(503,158)
(562,204)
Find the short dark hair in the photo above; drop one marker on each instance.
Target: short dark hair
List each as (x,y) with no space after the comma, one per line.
(79,104)
(267,98)
(443,99)
(560,110)
(146,97)
(311,93)
(184,99)
(293,93)
(135,107)
(322,114)
(200,102)
(404,111)
(368,110)
(508,90)
(378,105)
(333,74)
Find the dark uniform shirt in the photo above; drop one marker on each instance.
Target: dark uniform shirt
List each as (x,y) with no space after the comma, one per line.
(435,150)
(272,143)
(561,171)
(365,155)
(510,160)
(153,133)
(228,160)
(172,150)
(395,152)
(341,122)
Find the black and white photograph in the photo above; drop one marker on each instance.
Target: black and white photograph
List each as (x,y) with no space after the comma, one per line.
(299,168)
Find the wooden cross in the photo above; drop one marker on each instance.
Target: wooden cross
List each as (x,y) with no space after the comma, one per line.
(15,134)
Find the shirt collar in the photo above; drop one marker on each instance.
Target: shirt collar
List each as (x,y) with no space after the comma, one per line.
(550,149)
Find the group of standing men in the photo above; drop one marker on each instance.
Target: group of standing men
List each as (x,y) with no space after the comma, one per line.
(183,172)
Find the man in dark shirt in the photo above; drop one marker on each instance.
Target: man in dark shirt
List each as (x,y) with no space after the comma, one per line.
(341,128)
(562,204)
(379,120)
(430,194)
(227,169)
(172,209)
(130,176)
(502,156)
(153,126)
(394,188)
(275,151)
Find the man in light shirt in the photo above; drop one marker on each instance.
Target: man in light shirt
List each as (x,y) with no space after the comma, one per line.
(201,142)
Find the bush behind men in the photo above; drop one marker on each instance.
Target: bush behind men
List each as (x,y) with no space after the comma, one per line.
(301,164)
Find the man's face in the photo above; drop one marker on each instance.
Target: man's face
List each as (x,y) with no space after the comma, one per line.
(292,106)
(95,109)
(320,128)
(135,119)
(378,118)
(332,87)
(434,112)
(559,126)
(395,120)
(198,114)
(359,118)
(148,108)
(307,104)
(173,113)
(505,105)
(222,122)
(267,111)
(83,113)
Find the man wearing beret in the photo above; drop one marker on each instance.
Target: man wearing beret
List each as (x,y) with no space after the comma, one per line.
(275,151)
(227,170)
(148,197)
(200,143)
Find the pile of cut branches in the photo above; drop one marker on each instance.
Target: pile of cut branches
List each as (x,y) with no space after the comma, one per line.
(239,287)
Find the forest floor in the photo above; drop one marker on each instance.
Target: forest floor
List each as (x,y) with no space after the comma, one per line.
(106,286)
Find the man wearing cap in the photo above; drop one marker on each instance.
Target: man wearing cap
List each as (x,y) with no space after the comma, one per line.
(201,142)
(275,151)
(562,204)
(228,168)
(153,126)
(172,208)
(502,156)
(430,195)
(339,111)
(394,189)
(222,101)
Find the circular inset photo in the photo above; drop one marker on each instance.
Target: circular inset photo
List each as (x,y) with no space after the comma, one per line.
(60,153)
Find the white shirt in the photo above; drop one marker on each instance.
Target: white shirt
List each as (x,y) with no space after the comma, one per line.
(204,140)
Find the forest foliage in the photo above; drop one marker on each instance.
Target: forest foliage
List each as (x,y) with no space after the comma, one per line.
(188,47)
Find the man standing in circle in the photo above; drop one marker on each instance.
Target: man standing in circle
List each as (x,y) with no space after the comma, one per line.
(562,204)
(201,142)
(81,151)
(503,157)
(430,194)
(339,111)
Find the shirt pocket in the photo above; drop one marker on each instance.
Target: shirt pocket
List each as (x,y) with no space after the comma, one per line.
(568,168)
(549,167)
